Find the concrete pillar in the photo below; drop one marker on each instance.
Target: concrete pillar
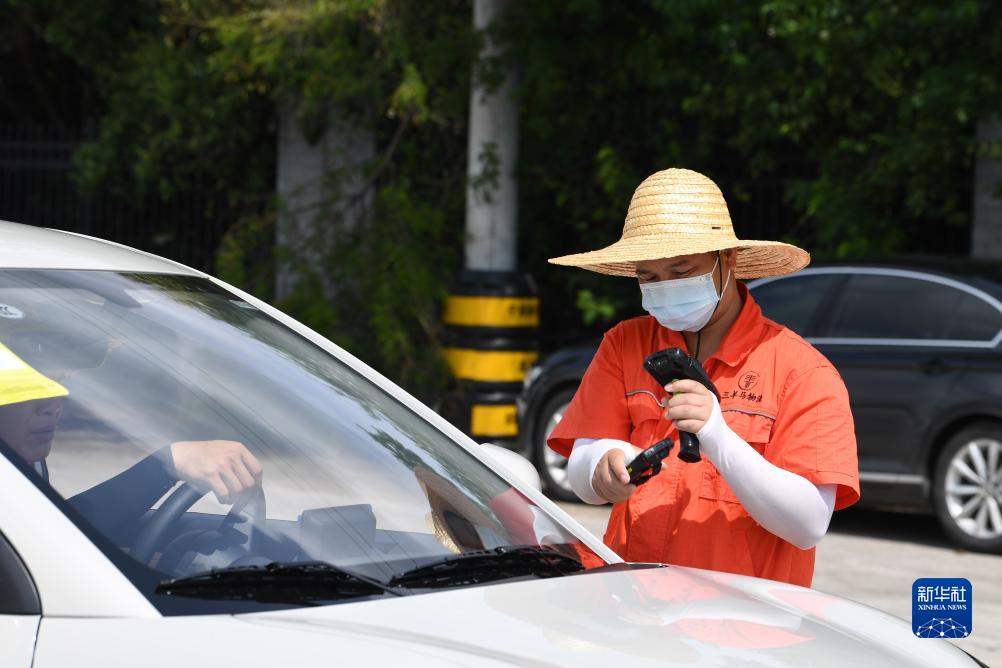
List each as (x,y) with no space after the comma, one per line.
(320,184)
(986,227)
(492,192)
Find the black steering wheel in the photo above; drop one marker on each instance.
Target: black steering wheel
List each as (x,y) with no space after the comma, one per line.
(177,503)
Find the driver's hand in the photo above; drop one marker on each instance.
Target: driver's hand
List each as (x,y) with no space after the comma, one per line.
(226,468)
(611,480)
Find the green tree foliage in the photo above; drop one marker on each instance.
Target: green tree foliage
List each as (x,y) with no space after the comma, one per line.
(859,115)
(402,70)
(191,90)
(863,111)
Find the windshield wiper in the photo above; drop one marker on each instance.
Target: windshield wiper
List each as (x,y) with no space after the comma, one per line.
(486,565)
(306,582)
(291,582)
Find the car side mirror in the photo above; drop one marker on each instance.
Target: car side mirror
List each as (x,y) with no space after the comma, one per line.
(514,463)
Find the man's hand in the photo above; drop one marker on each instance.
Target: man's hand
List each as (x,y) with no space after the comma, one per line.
(226,468)
(691,406)
(611,481)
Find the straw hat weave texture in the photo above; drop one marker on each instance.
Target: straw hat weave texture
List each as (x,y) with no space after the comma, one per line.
(681,212)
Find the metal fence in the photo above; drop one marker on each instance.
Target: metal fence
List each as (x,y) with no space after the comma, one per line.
(37,188)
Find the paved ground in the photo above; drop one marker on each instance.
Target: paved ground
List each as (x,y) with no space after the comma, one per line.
(873,558)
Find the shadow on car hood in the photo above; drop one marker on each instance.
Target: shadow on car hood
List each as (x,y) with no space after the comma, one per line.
(663,616)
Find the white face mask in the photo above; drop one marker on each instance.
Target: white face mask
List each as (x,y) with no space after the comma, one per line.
(683,304)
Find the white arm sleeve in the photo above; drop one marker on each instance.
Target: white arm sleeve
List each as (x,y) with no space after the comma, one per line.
(785,503)
(583,460)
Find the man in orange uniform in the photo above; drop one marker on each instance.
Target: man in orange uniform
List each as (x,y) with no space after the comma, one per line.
(778,448)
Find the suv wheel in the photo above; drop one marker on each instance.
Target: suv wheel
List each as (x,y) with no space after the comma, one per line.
(967,487)
(551,466)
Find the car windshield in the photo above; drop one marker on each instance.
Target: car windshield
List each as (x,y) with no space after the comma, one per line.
(116,388)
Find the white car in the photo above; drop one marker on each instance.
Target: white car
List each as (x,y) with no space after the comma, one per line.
(381,535)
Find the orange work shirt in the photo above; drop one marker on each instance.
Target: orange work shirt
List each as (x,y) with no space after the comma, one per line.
(777,392)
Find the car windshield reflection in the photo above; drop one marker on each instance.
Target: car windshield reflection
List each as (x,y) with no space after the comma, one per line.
(193,432)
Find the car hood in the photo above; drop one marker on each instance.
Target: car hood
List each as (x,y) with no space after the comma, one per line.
(664,616)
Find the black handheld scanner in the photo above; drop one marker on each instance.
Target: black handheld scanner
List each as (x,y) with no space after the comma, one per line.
(648,460)
(673,364)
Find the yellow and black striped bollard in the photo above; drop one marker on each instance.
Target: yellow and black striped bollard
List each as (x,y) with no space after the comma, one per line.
(492,321)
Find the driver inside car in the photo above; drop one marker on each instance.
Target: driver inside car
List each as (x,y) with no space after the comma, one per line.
(34,360)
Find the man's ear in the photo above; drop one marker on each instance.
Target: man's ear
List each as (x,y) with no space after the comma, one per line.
(730,257)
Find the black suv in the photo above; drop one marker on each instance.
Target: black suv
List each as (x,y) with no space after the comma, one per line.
(918,346)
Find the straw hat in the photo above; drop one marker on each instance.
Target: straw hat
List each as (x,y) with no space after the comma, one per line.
(681,212)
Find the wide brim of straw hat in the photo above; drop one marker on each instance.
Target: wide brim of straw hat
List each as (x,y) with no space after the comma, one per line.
(680,212)
(756,259)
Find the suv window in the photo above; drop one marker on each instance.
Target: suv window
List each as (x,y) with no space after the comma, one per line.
(877,306)
(975,320)
(795,300)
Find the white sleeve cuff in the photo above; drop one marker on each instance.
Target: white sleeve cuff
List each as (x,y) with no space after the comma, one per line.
(585,456)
